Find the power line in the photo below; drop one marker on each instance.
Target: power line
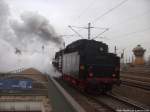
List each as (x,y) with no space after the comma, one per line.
(118,5)
(131,33)
(75,32)
(131,18)
(79,27)
(101,33)
(85,10)
(101,28)
(89,27)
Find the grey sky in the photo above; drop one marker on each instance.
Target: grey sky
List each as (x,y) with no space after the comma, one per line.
(128,24)
(132,16)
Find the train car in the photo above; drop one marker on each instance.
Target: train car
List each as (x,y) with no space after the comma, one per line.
(57,61)
(87,65)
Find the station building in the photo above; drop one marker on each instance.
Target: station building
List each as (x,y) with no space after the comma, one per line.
(32,99)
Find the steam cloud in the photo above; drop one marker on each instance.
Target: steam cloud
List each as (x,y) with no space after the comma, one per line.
(28,35)
(35,27)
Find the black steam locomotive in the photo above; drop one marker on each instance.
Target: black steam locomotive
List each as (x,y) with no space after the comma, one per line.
(87,65)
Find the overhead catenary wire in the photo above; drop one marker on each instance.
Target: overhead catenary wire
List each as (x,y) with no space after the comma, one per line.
(75,32)
(89,27)
(110,10)
(86,9)
(132,33)
(132,18)
(101,33)
(105,29)
(101,28)
(79,27)
(118,5)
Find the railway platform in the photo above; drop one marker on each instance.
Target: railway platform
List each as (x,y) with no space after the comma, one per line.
(45,95)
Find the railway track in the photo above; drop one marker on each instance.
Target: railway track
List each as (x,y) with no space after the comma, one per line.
(134,77)
(98,105)
(136,83)
(138,73)
(111,103)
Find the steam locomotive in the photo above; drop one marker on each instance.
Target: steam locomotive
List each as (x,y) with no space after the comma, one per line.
(87,65)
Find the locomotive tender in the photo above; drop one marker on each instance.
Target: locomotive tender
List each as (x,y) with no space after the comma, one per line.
(87,65)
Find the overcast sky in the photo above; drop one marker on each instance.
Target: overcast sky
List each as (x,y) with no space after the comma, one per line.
(128,20)
(129,23)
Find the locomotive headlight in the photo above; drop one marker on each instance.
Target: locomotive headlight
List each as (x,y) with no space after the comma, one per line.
(114,75)
(90,74)
(101,49)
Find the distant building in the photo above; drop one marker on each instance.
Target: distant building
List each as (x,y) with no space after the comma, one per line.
(139,55)
(148,61)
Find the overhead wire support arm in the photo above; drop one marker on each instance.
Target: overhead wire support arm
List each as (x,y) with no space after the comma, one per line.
(75,32)
(106,29)
(89,27)
(102,28)
(79,27)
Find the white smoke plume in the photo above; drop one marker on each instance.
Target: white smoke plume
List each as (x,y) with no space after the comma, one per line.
(33,36)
